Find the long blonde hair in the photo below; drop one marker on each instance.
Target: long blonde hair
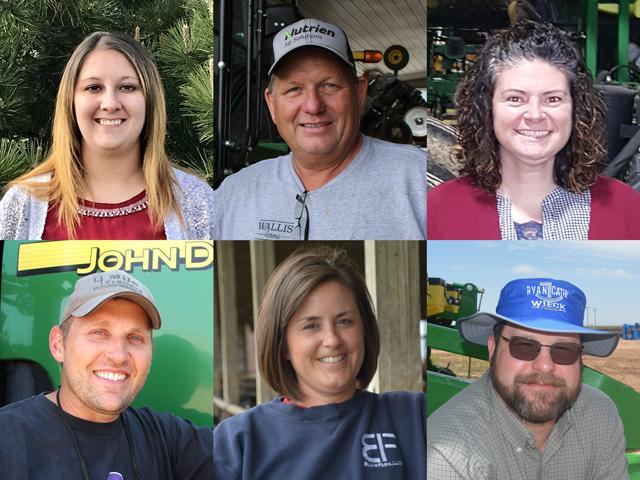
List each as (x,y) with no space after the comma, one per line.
(64,162)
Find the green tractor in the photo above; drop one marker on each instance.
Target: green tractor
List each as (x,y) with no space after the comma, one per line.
(446,303)
(37,279)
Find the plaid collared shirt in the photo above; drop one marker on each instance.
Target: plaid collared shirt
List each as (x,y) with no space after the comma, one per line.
(565,216)
(474,436)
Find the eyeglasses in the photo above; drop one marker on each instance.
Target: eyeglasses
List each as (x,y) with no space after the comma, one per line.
(302,216)
(562,353)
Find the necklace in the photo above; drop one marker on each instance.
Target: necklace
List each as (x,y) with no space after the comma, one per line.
(83,464)
(114,212)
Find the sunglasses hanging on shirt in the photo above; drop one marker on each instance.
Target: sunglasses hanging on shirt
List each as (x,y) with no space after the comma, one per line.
(302,216)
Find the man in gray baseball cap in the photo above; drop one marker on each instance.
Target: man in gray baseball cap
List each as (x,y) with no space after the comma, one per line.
(336,183)
(86,428)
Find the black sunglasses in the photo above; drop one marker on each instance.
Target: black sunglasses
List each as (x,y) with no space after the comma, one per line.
(562,353)
(302,216)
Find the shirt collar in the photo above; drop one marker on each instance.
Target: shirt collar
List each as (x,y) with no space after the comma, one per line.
(565,215)
(508,425)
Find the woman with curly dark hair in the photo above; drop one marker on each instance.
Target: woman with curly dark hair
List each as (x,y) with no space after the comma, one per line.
(531,142)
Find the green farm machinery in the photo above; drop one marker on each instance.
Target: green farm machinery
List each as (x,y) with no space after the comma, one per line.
(38,277)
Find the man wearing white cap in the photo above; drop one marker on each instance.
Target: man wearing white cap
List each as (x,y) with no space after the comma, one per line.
(86,429)
(336,183)
(530,417)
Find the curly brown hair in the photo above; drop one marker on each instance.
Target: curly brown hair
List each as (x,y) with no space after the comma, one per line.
(580,161)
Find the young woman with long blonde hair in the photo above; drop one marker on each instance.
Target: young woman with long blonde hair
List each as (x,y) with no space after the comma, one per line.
(107,175)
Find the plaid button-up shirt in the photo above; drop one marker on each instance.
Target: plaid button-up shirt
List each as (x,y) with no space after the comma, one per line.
(474,436)
(565,216)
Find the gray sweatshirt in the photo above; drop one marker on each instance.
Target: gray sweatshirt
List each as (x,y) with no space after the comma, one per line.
(381,195)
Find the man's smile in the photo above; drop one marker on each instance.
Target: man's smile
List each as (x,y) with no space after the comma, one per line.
(111,376)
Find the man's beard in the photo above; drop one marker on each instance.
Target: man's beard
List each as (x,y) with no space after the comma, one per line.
(544,407)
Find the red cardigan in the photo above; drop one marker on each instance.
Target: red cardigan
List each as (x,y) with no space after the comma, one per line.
(456,210)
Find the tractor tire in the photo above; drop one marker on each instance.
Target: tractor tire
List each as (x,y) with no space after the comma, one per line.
(441,166)
(22,380)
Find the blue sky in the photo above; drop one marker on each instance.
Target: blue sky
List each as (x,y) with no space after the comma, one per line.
(608,271)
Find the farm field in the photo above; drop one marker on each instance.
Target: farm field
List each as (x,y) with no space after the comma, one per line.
(623,364)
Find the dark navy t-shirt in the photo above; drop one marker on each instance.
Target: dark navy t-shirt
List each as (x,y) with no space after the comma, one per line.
(36,444)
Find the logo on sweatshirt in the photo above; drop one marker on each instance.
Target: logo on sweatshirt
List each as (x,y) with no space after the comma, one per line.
(115,476)
(380,450)
(275,230)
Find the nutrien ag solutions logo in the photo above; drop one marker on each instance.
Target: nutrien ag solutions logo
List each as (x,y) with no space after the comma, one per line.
(548,296)
(309,31)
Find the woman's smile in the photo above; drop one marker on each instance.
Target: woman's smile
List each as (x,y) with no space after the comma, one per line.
(109,104)
(325,344)
(532,112)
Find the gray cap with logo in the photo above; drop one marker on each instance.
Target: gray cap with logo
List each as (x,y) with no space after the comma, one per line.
(310,32)
(93,290)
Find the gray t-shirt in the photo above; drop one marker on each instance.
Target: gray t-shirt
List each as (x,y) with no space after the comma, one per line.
(475,437)
(381,195)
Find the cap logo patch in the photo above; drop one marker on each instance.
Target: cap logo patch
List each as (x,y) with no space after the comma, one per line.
(116,280)
(309,30)
(549,296)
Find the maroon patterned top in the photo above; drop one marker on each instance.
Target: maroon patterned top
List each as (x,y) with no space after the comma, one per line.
(128,220)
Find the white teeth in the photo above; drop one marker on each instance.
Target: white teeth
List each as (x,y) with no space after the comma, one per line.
(533,133)
(334,359)
(315,125)
(114,377)
(104,121)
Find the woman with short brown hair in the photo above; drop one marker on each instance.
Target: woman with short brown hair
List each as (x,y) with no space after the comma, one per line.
(286,291)
(318,345)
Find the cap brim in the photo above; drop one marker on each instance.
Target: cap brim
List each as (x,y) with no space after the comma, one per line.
(478,327)
(325,47)
(88,307)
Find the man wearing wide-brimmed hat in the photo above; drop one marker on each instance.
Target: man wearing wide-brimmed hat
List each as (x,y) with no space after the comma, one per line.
(530,416)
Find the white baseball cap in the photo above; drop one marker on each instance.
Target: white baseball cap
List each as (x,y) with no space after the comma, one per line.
(310,32)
